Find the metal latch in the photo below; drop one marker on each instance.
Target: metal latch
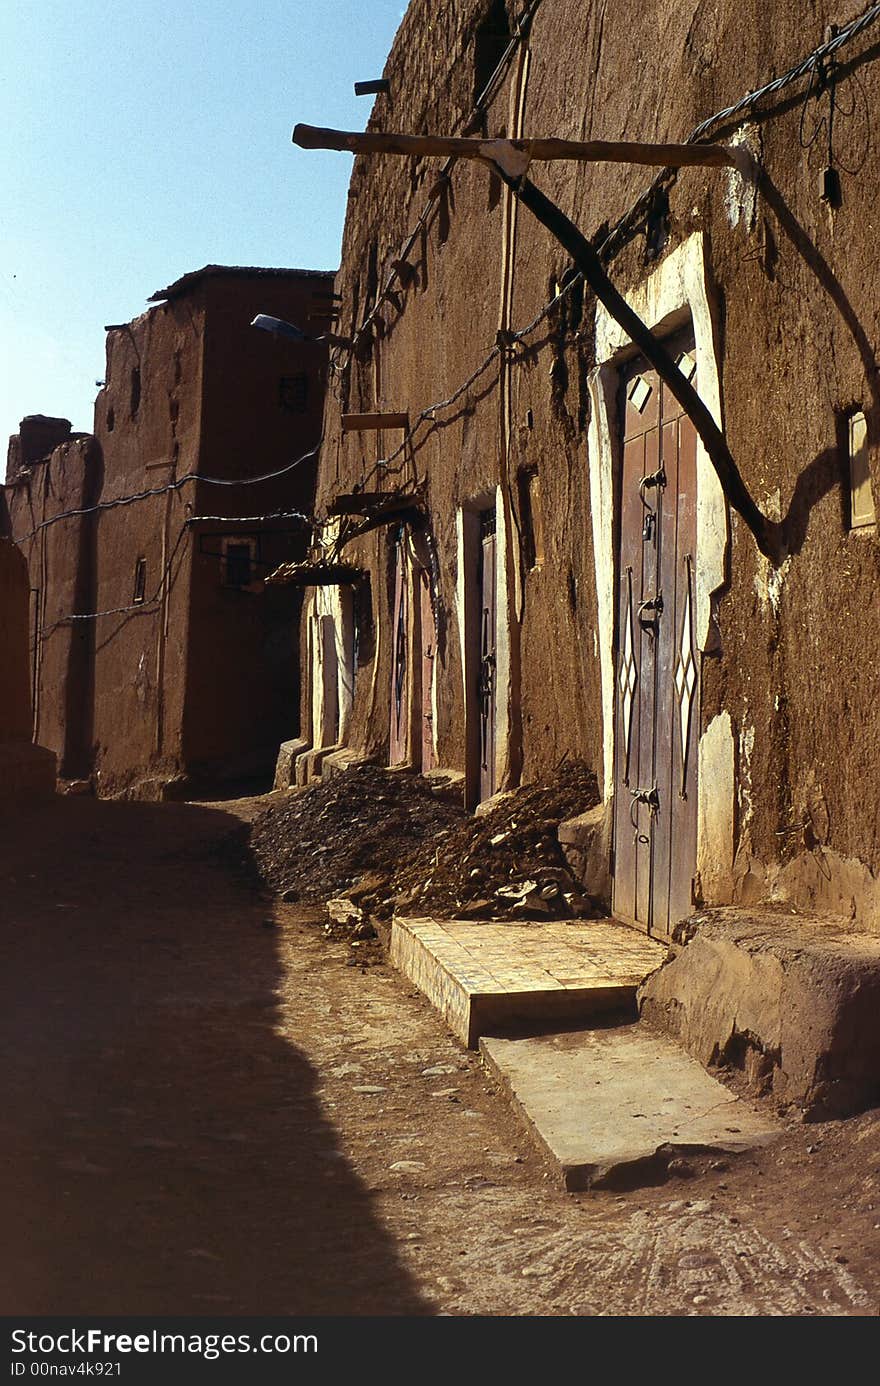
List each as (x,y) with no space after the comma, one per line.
(649,797)
(657,478)
(653,605)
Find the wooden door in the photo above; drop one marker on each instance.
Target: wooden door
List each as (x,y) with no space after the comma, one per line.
(657,683)
(329,681)
(487,668)
(428,633)
(398,742)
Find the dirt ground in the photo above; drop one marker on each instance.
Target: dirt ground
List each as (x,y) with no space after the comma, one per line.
(206,1108)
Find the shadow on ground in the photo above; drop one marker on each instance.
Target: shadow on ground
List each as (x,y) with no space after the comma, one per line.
(165,1149)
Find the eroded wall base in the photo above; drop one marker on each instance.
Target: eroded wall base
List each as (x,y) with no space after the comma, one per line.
(789,1000)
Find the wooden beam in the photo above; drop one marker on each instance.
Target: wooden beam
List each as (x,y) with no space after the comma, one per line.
(514,156)
(363,502)
(374,88)
(362,423)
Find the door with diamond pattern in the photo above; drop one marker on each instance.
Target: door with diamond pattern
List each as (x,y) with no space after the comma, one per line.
(398,746)
(657,673)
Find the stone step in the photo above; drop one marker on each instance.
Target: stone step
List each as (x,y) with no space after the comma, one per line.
(483,977)
(614,1106)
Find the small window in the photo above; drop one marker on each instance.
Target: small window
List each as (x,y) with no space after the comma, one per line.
(531,517)
(135,390)
(238,559)
(140,581)
(293,393)
(860,496)
(490,45)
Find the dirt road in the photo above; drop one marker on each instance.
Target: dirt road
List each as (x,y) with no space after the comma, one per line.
(205,1109)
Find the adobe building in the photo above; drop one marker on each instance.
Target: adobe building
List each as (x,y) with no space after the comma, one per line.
(533,554)
(159,661)
(24,767)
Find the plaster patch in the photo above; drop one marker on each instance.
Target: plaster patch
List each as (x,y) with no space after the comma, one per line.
(769,582)
(716,780)
(504,711)
(741,183)
(744,781)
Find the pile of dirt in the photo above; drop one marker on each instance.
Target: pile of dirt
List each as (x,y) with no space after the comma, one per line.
(374,842)
(506,864)
(317,842)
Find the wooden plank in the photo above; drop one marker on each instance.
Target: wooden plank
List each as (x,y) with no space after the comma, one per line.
(368,502)
(362,423)
(511,151)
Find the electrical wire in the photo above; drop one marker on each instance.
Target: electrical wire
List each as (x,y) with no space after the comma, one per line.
(146,605)
(609,247)
(481,102)
(249,519)
(169,486)
(849,31)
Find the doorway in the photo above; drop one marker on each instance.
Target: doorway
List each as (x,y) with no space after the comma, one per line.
(657,673)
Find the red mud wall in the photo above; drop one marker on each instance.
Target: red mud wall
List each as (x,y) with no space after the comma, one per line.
(261,409)
(15,691)
(795,295)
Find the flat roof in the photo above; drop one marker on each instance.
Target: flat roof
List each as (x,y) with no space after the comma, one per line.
(188,281)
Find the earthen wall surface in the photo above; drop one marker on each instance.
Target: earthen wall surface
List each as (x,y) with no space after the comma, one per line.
(15,692)
(173,673)
(794,294)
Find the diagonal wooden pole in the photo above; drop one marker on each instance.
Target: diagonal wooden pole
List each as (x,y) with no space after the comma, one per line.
(511,158)
(766,532)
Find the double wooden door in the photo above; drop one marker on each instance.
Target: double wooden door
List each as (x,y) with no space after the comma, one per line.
(407,682)
(487,680)
(658,669)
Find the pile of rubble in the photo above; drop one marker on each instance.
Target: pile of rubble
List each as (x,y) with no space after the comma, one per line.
(506,864)
(317,842)
(373,842)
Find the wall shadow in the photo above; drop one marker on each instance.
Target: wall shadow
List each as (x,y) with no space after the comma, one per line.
(165,1146)
(826,469)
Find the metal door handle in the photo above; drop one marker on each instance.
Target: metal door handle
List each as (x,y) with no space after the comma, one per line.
(653,605)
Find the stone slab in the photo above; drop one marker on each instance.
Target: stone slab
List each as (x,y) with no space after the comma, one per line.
(339,762)
(487,976)
(791,1000)
(586,846)
(613,1106)
(285,765)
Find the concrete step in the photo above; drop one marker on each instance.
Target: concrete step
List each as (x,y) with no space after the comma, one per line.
(483,977)
(613,1106)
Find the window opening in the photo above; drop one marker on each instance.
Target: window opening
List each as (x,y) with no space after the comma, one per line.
(140,582)
(238,562)
(293,393)
(490,44)
(861,499)
(531,517)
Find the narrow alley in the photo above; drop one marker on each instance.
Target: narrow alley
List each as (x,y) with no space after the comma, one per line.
(207,1110)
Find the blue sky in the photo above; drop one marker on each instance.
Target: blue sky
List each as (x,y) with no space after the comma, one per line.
(143,140)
